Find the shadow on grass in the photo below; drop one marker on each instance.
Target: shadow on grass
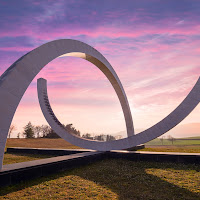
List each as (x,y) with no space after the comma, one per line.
(30,155)
(11,158)
(129,179)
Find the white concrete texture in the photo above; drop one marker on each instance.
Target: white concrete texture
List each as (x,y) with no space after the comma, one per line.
(174,118)
(16,79)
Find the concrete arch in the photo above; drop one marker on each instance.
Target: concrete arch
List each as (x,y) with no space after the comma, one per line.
(174,118)
(16,79)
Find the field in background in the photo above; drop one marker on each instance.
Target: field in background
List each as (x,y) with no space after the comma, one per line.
(172,148)
(187,146)
(17,158)
(178,141)
(114,179)
(40,143)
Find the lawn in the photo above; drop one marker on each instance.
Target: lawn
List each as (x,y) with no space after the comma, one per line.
(154,145)
(40,143)
(184,146)
(172,148)
(17,158)
(107,179)
(114,179)
(176,142)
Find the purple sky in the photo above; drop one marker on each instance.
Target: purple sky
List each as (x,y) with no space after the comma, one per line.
(153,45)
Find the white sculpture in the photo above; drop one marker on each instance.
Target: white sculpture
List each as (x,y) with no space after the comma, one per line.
(15,80)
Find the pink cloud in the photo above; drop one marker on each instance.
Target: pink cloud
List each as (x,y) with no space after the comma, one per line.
(105,31)
(154,73)
(17,49)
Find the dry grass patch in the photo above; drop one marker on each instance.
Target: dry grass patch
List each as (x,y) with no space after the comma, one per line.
(40,143)
(17,158)
(62,144)
(67,187)
(114,179)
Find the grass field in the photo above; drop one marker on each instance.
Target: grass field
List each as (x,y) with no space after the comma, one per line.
(157,141)
(61,143)
(17,158)
(40,143)
(185,146)
(33,143)
(172,148)
(198,137)
(114,179)
(107,179)
(154,145)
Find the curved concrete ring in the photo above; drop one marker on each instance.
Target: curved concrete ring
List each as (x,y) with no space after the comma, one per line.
(16,79)
(175,117)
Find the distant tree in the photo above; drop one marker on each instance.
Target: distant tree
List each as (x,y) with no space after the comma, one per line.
(70,129)
(37,130)
(103,137)
(11,129)
(48,132)
(100,137)
(18,135)
(170,138)
(28,131)
(110,138)
(87,136)
(162,140)
(45,129)
(52,134)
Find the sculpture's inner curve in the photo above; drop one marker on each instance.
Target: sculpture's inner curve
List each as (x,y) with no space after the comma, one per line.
(16,79)
(175,117)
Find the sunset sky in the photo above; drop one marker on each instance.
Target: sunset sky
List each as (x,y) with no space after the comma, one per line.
(153,45)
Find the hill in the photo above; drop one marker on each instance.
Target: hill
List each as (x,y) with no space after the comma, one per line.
(180,131)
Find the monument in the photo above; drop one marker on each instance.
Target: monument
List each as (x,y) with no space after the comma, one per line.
(16,79)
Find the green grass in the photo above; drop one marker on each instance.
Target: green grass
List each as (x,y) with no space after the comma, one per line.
(185,146)
(17,158)
(114,179)
(157,141)
(197,137)
(170,148)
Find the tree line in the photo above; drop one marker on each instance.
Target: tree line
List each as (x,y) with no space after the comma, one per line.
(45,131)
(101,137)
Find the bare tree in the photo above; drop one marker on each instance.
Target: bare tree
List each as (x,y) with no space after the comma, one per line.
(162,139)
(45,129)
(37,130)
(11,129)
(87,136)
(18,135)
(170,138)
